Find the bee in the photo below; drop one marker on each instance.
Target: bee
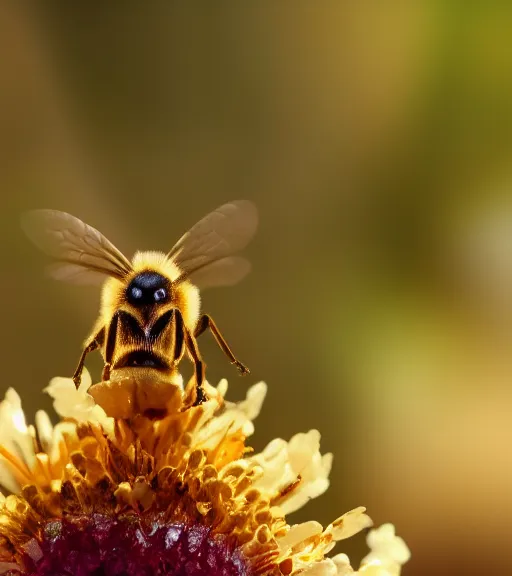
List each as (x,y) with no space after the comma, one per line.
(150,314)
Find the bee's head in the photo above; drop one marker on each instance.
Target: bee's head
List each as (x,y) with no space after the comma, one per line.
(148,288)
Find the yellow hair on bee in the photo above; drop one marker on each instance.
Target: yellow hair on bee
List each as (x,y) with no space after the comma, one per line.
(186,295)
(156,261)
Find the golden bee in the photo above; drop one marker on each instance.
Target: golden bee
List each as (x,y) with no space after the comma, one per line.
(150,306)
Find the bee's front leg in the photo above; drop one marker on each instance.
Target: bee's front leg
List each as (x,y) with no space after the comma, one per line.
(206,322)
(199,365)
(110,346)
(93,344)
(105,374)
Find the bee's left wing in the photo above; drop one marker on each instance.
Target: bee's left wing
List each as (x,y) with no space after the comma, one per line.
(82,254)
(224,272)
(205,254)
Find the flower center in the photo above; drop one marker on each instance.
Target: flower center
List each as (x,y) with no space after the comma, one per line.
(100,545)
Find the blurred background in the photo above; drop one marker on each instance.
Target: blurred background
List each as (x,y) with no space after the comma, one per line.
(376,140)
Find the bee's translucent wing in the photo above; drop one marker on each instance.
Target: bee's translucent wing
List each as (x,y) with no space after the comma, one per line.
(219,235)
(74,274)
(77,247)
(224,272)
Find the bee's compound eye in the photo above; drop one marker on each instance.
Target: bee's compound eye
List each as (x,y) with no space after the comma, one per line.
(160,294)
(136,293)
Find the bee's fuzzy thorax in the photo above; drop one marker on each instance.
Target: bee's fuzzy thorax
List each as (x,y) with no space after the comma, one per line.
(186,294)
(156,261)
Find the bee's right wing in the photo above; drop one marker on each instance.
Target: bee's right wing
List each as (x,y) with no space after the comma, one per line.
(83,255)
(206,253)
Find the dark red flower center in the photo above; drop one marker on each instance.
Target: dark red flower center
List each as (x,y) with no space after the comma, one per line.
(101,545)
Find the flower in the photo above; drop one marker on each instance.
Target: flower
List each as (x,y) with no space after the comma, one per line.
(178,494)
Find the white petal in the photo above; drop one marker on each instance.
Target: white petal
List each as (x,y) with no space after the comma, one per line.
(284,462)
(301,448)
(377,568)
(384,544)
(388,553)
(342,563)
(254,400)
(349,524)
(44,429)
(7,480)
(15,435)
(323,568)
(60,431)
(77,404)
(222,387)
(235,418)
(299,533)
(85,381)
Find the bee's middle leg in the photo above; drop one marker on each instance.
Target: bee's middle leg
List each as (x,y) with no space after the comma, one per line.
(91,346)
